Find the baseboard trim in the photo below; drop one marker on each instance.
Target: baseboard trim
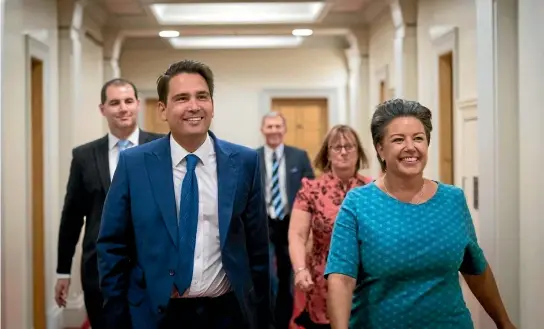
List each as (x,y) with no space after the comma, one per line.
(54,318)
(74,314)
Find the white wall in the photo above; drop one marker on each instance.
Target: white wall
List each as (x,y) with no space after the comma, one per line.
(241,76)
(459,13)
(37,18)
(431,14)
(88,115)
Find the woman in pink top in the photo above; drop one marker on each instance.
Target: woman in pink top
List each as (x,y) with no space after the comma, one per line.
(314,211)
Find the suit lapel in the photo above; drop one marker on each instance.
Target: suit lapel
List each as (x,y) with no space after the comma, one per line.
(143,137)
(102,162)
(262,160)
(288,165)
(159,168)
(227,177)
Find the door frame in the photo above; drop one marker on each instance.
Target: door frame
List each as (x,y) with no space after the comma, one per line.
(444,39)
(37,48)
(337,108)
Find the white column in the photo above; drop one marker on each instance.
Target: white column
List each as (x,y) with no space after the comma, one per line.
(404,15)
(499,144)
(405,47)
(531,157)
(112,50)
(70,100)
(354,67)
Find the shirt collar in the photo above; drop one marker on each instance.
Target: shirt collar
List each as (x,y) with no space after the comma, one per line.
(268,151)
(203,152)
(132,138)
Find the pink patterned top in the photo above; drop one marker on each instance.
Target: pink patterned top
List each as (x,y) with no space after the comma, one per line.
(322,198)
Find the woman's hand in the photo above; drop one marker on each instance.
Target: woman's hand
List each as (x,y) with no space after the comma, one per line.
(303,280)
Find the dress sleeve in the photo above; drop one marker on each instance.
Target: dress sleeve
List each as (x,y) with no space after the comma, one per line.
(474,262)
(304,200)
(344,254)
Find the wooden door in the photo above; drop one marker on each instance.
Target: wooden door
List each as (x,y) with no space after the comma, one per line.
(307,122)
(152,120)
(37,193)
(445,118)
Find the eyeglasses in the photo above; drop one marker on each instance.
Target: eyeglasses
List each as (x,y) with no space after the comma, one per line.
(347,147)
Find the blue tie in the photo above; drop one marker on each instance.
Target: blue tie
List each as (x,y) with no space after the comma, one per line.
(188,222)
(122,144)
(275,194)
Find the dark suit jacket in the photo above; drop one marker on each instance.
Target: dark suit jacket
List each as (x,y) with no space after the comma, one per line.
(138,240)
(297,166)
(88,184)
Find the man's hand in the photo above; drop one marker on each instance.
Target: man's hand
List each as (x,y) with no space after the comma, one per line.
(61,291)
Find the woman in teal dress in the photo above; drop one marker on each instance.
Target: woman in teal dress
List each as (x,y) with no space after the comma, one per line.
(399,243)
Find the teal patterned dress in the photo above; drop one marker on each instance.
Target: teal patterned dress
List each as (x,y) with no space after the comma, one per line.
(406,258)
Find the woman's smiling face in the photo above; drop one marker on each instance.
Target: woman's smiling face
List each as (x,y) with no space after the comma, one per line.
(404,146)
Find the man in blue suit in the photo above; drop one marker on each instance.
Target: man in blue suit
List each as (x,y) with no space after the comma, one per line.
(184,236)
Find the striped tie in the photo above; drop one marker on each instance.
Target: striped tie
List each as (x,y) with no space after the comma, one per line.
(275,194)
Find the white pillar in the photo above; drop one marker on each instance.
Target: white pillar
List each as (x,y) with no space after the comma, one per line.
(531,157)
(497,63)
(354,83)
(405,47)
(404,14)
(112,50)
(70,100)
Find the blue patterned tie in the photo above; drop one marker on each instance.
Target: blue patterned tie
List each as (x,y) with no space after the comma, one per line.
(275,194)
(188,222)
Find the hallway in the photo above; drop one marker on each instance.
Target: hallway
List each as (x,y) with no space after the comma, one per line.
(321,64)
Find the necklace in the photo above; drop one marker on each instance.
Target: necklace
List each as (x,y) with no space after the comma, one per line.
(417,196)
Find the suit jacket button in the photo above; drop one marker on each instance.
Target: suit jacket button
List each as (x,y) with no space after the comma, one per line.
(171,272)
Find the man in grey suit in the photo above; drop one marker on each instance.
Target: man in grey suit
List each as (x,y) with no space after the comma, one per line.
(284,167)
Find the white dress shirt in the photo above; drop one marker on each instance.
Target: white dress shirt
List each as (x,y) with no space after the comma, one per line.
(209,278)
(281,171)
(113,157)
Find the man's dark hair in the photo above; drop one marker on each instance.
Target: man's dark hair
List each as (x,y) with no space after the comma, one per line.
(115,82)
(395,108)
(184,66)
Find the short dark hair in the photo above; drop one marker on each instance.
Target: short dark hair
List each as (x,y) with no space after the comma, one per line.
(115,82)
(184,66)
(394,108)
(322,162)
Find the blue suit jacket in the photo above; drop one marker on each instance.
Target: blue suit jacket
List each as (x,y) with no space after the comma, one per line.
(137,245)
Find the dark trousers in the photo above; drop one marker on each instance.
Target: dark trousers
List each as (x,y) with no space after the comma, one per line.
(204,313)
(93,305)
(283,310)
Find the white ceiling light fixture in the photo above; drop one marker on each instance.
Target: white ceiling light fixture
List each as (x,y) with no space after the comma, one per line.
(302,32)
(238,13)
(235,42)
(169,34)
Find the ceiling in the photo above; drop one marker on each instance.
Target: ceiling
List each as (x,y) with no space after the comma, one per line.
(220,24)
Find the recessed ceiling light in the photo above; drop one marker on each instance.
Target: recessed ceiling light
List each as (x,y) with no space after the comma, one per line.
(235,42)
(169,34)
(286,12)
(302,32)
